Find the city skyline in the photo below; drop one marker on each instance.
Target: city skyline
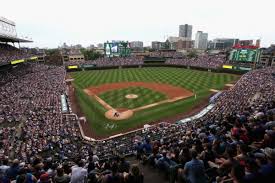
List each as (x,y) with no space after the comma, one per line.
(51,23)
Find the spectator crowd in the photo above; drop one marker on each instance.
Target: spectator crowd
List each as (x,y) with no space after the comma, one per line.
(234,142)
(204,61)
(109,62)
(9,53)
(166,54)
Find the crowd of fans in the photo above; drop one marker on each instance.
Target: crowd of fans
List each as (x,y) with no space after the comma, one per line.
(30,97)
(203,61)
(108,62)
(9,53)
(166,54)
(234,142)
(118,61)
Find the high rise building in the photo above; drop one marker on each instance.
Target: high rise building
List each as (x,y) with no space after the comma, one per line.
(180,43)
(136,44)
(185,31)
(267,57)
(156,45)
(222,43)
(201,40)
(184,44)
(258,43)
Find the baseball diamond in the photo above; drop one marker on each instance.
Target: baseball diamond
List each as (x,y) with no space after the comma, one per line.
(150,98)
(162,93)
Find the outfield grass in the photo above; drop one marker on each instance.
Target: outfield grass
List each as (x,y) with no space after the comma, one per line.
(196,81)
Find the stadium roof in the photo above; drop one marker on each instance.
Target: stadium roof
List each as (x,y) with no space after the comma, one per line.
(4,38)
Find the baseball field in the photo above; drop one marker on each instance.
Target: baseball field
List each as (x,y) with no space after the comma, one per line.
(118,100)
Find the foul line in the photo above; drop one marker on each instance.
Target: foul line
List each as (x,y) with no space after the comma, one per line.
(102,102)
(158,103)
(109,107)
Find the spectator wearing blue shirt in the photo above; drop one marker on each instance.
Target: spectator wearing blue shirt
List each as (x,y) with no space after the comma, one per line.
(147,146)
(164,163)
(13,170)
(139,149)
(268,171)
(194,170)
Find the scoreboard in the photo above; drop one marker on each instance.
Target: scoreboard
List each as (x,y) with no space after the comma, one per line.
(245,55)
(117,49)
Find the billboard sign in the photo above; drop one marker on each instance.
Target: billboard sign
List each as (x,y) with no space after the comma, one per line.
(244,55)
(117,49)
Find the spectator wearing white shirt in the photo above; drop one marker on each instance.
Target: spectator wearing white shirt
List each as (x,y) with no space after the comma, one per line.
(79,174)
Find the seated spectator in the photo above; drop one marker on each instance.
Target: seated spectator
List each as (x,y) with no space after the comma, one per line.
(237,173)
(268,171)
(252,174)
(223,165)
(45,178)
(79,173)
(194,170)
(5,166)
(115,176)
(242,153)
(207,155)
(61,177)
(164,162)
(123,166)
(13,171)
(25,177)
(135,176)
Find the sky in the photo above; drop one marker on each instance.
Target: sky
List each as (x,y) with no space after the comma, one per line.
(50,23)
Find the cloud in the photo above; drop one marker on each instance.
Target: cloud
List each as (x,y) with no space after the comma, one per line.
(52,22)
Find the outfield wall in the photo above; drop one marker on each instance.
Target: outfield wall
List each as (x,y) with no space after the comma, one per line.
(219,70)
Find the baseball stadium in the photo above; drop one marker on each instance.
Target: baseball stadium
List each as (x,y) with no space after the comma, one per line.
(120,100)
(124,113)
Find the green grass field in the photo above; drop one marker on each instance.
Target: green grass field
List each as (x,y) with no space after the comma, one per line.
(116,98)
(196,81)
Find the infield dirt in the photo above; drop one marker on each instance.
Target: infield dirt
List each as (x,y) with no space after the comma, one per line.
(172,92)
(169,90)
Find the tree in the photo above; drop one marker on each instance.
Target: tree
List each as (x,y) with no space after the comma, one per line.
(53,51)
(90,54)
(192,54)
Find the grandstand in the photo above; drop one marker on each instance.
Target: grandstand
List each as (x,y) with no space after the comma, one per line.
(9,53)
(243,126)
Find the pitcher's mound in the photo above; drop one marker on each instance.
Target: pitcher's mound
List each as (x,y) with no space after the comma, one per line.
(131,96)
(119,114)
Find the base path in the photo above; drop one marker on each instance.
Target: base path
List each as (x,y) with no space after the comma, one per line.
(173,94)
(157,103)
